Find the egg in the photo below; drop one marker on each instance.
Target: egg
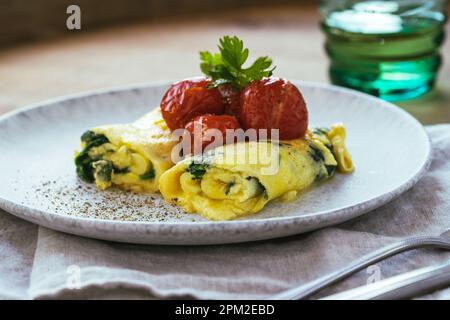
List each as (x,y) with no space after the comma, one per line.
(129,156)
(240,179)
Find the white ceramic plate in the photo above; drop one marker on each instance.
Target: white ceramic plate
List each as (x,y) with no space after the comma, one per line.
(390,149)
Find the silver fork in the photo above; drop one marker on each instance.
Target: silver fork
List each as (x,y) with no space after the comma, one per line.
(442,241)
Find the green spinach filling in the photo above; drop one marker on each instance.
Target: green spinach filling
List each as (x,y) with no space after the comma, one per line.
(260,186)
(121,170)
(315,153)
(320,131)
(90,168)
(83,162)
(318,156)
(103,170)
(331,170)
(150,174)
(228,187)
(197,170)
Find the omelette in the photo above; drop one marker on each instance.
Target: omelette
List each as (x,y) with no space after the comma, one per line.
(240,179)
(227,181)
(130,156)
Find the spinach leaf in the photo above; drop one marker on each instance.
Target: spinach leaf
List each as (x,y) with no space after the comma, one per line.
(103,170)
(327,173)
(315,153)
(197,170)
(320,131)
(88,136)
(229,186)
(86,172)
(330,169)
(150,174)
(121,170)
(83,162)
(260,186)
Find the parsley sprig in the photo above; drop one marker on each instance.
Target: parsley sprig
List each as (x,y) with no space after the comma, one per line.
(226,67)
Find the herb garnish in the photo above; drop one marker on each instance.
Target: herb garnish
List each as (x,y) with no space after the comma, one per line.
(226,67)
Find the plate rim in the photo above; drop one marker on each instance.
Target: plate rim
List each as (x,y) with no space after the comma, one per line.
(368,204)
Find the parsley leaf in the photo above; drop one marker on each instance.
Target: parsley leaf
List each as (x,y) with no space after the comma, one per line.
(226,67)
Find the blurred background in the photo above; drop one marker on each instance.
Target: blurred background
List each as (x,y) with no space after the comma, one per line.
(122,42)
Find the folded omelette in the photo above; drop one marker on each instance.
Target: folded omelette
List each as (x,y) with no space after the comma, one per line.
(239,179)
(130,156)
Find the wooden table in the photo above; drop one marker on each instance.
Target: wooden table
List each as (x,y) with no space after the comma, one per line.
(169,50)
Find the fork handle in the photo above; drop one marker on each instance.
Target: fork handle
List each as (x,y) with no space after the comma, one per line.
(314,286)
(406,285)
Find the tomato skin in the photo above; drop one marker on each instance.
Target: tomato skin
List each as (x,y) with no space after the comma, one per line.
(274,103)
(190,98)
(231,99)
(209,121)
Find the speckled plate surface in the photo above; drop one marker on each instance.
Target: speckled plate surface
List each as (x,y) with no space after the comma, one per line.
(390,149)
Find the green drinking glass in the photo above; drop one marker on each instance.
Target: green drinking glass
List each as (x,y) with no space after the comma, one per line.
(390,49)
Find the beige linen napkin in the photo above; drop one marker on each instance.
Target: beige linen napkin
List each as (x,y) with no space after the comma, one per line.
(38,263)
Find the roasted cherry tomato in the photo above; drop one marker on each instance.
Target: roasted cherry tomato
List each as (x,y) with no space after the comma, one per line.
(274,103)
(199,126)
(190,98)
(231,98)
